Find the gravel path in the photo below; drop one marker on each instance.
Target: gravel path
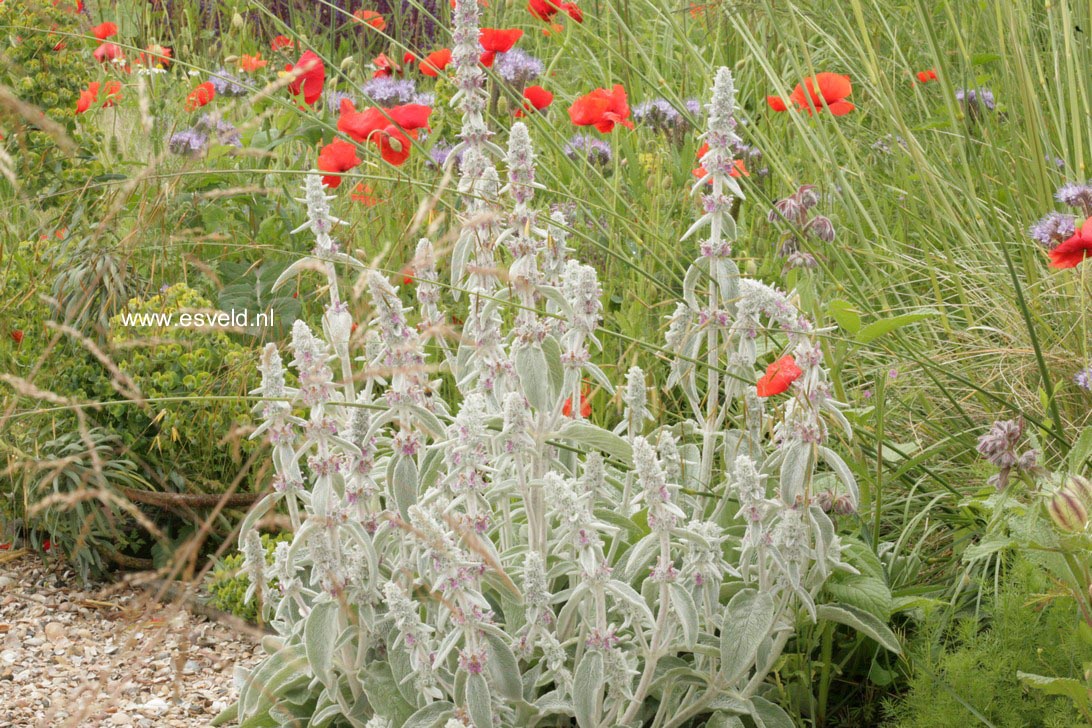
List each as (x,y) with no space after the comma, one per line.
(109,655)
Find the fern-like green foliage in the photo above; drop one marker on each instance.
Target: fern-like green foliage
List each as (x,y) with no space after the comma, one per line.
(965,674)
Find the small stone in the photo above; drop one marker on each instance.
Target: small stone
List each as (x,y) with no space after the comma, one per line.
(54,632)
(121,719)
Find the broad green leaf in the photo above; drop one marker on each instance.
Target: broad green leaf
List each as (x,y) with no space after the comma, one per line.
(1081,451)
(1075,690)
(862,621)
(747,621)
(864,592)
(723,720)
(847,318)
(876,329)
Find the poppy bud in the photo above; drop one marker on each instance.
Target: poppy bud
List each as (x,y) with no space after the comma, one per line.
(237,20)
(1067,511)
(394,144)
(17,336)
(1080,487)
(346,64)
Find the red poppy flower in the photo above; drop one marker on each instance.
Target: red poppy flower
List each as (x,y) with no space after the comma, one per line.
(392,130)
(739,169)
(112,90)
(108,52)
(547,9)
(434,62)
(17,336)
(88,97)
(407,276)
(823,90)
(250,64)
(497,40)
(585,406)
(778,377)
(363,194)
(102,31)
(1074,250)
(384,66)
(337,156)
(927,76)
(602,109)
(372,18)
(155,55)
(536,99)
(282,42)
(310,78)
(200,96)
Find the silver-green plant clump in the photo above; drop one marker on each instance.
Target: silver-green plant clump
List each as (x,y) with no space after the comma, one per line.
(497,559)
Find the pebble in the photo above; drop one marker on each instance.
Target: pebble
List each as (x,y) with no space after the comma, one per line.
(111,665)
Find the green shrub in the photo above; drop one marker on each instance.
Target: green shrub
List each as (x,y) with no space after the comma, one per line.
(228,582)
(966,673)
(195,381)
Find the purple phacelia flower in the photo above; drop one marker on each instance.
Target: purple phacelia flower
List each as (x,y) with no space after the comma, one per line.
(518,67)
(1052,229)
(188,142)
(387,91)
(1083,378)
(227,84)
(1076,195)
(596,151)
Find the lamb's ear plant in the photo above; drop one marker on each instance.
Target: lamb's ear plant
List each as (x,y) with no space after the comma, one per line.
(498,559)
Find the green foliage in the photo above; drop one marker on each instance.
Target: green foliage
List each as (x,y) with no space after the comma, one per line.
(194,424)
(965,673)
(227,583)
(42,65)
(70,499)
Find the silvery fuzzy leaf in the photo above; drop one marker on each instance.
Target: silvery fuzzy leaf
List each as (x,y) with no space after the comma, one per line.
(682,603)
(552,293)
(431,465)
(795,467)
(264,683)
(432,715)
(295,267)
(503,668)
(553,704)
(624,592)
(597,438)
(860,620)
(723,720)
(599,377)
(256,512)
(588,684)
(534,377)
(552,350)
(450,640)
(479,701)
(403,482)
(320,633)
(824,535)
(383,694)
(769,715)
(459,256)
(696,272)
(732,704)
(748,619)
(727,274)
(568,614)
(701,222)
(838,465)
(638,557)
(428,421)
